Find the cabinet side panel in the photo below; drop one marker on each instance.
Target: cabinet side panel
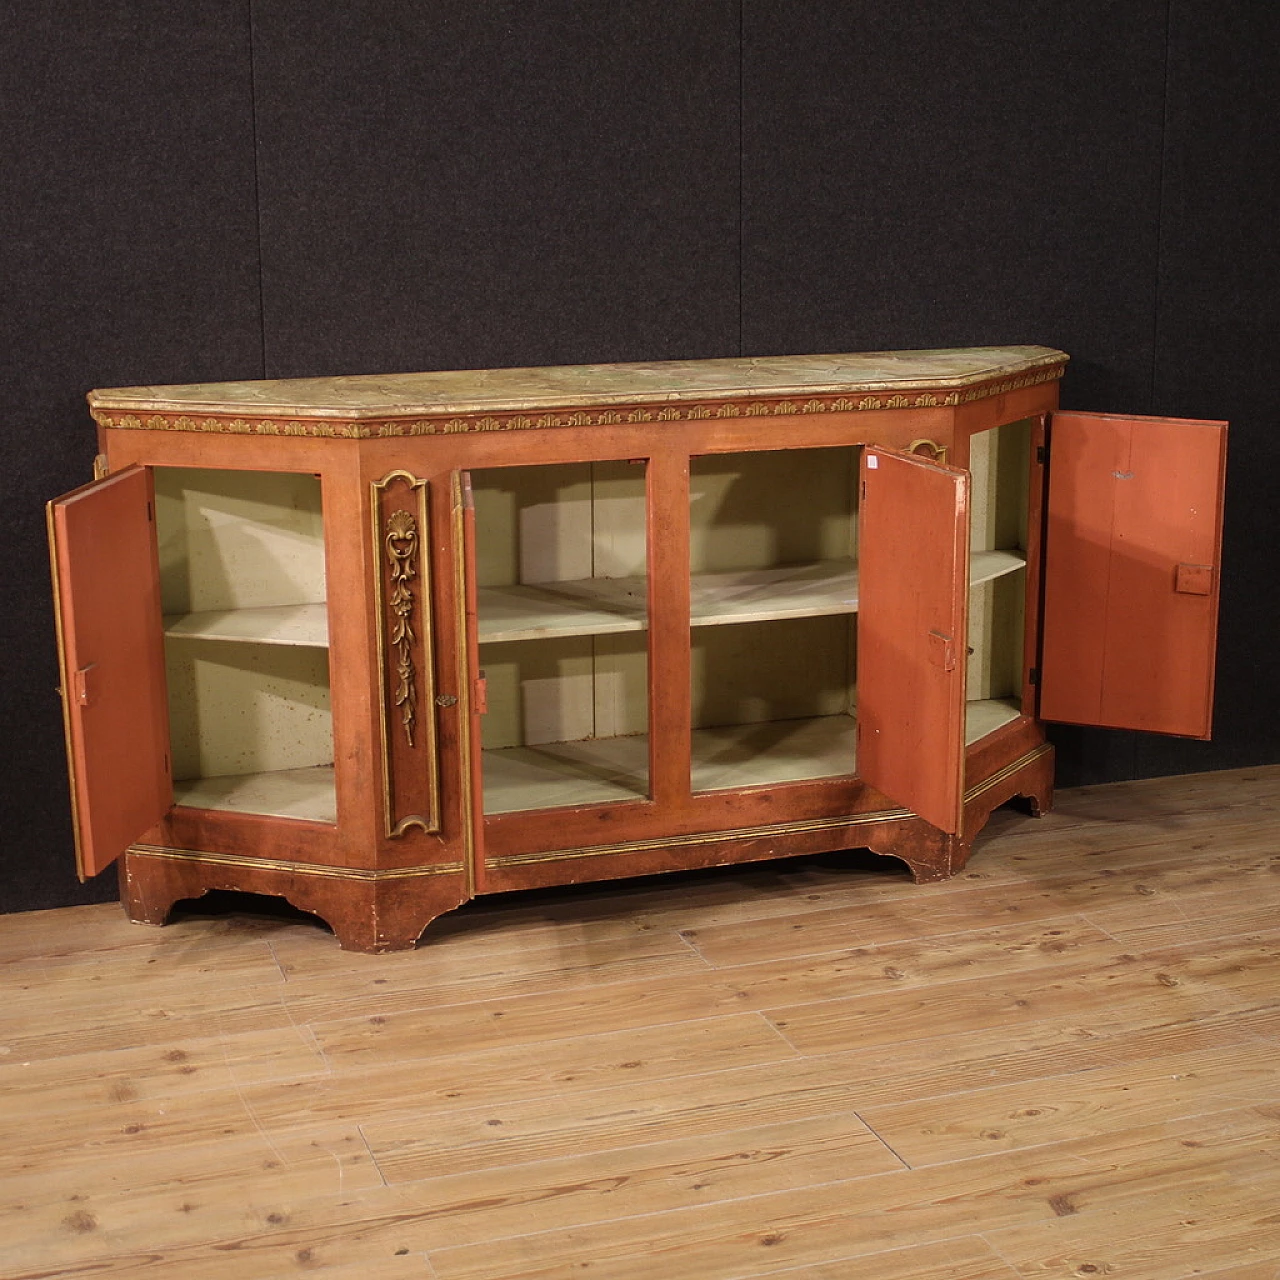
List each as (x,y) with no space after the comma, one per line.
(912,624)
(1131,573)
(108,596)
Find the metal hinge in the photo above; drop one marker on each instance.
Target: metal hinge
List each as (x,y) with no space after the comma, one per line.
(1033,676)
(1042,454)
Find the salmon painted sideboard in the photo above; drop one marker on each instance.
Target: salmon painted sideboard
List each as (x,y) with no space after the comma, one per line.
(380,644)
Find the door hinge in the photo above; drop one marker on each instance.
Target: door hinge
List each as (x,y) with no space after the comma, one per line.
(1033,676)
(1042,454)
(480,698)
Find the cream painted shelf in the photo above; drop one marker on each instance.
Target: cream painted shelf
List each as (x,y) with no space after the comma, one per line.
(985,715)
(609,769)
(772,751)
(555,774)
(762,595)
(601,770)
(603,606)
(587,607)
(986,565)
(282,793)
(304,625)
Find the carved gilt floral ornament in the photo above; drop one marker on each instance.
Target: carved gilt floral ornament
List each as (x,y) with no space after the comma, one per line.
(403,576)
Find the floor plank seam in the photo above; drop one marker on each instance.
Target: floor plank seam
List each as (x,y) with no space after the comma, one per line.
(373,1159)
(880,1138)
(1014,1270)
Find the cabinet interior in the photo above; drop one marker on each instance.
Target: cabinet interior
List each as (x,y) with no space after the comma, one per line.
(242,584)
(773,559)
(774,589)
(561,563)
(1000,469)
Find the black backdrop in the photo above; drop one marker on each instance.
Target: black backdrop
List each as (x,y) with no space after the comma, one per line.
(271,188)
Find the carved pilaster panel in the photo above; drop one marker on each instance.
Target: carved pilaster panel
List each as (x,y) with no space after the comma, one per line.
(402,557)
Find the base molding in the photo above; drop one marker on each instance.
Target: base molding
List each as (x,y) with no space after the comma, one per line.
(386,909)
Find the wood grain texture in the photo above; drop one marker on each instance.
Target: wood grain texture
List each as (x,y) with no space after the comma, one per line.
(1058,1065)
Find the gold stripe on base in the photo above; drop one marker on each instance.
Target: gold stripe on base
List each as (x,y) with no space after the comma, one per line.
(204,858)
(972,793)
(805,827)
(704,837)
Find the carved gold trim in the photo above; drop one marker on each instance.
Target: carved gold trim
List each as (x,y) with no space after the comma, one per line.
(402,554)
(203,858)
(937,451)
(400,547)
(456,424)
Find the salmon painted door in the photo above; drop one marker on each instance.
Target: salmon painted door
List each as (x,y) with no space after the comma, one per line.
(111,651)
(1133,546)
(913,569)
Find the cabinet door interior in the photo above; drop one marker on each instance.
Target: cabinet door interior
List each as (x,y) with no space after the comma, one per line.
(914,576)
(1000,466)
(1133,549)
(773,601)
(242,581)
(107,598)
(562,620)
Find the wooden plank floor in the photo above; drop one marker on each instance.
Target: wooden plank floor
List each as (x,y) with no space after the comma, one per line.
(1062,1063)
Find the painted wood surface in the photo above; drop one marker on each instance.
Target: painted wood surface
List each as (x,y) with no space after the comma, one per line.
(107,600)
(912,631)
(1132,567)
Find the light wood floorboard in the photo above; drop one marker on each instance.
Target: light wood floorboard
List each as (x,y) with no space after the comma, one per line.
(1065,1062)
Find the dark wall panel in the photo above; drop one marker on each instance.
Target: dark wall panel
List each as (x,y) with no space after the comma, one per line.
(954,174)
(1218,322)
(128,255)
(452,185)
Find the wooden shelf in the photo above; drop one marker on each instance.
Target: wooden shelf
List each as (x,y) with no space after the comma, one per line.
(773,751)
(304,625)
(986,565)
(761,595)
(602,606)
(556,774)
(601,770)
(283,793)
(587,607)
(985,715)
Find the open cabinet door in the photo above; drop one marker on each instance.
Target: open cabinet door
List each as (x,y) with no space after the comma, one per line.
(913,558)
(1133,545)
(106,586)
(472,683)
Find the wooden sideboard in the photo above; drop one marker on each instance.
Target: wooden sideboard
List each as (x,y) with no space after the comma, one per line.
(380,644)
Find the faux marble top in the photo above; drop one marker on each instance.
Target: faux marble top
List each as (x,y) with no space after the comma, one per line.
(567,386)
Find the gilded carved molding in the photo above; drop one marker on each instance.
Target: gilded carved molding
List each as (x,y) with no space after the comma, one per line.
(460,424)
(402,565)
(400,545)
